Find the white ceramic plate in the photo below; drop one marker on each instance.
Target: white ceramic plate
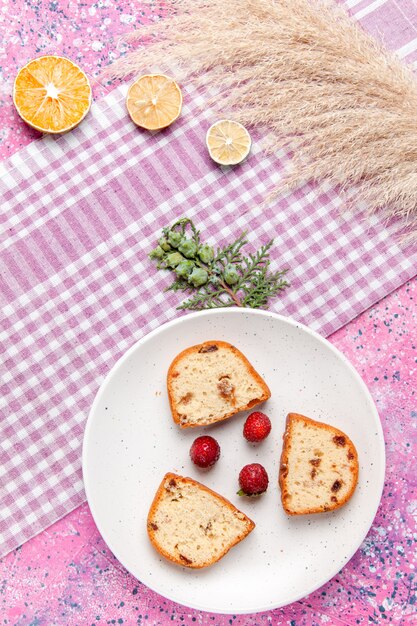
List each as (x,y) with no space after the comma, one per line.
(131,442)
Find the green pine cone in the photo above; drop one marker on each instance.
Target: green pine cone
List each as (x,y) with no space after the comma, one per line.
(206,253)
(198,277)
(174,238)
(188,248)
(184,268)
(173,259)
(231,275)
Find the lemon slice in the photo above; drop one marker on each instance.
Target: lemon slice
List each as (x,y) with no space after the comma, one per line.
(52,94)
(154,101)
(228,142)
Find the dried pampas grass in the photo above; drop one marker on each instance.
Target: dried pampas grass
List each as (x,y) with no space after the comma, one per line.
(305,72)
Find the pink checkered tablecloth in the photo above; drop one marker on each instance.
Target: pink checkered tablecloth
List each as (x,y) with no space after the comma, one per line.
(79,216)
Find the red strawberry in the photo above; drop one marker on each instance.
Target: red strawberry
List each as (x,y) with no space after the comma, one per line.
(205,451)
(253,480)
(257,427)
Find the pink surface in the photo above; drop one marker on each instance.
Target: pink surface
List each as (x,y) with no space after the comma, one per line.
(80,214)
(66,575)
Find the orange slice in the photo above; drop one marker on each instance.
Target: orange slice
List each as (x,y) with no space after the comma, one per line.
(154,101)
(228,142)
(52,94)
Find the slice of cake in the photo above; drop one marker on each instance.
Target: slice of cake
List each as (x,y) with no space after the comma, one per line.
(192,525)
(319,467)
(210,382)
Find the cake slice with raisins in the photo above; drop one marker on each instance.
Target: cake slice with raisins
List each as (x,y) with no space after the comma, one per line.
(319,467)
(210,382)
(192,525)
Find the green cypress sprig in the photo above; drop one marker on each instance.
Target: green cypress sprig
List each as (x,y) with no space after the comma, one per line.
(216,278)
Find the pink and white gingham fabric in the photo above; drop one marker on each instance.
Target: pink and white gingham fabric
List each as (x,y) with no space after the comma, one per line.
(79,216)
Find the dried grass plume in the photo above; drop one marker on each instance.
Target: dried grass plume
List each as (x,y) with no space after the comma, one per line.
(308,74)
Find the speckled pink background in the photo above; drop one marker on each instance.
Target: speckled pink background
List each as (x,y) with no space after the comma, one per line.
(66,576)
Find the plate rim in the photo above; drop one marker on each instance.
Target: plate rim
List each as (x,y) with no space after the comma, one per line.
(226,311)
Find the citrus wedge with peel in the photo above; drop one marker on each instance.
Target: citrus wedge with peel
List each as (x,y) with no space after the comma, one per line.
(52,94)
(154,101)
(228,142)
